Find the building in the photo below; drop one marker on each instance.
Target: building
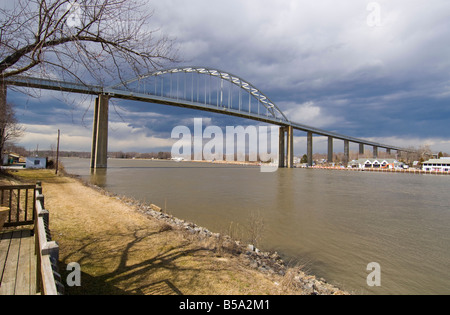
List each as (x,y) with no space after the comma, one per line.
(437,165)
(10,159)
(376,163)
(36,163)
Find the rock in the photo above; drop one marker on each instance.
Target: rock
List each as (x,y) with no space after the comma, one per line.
(254,264)
(155,208)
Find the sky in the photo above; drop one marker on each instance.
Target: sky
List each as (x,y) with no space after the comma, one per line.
(373,70)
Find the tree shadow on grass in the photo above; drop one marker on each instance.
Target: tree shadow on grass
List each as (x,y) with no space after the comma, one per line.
(135,278)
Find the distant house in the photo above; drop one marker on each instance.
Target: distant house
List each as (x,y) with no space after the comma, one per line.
(376,163)
(36,163)
(437,165)
(10,159)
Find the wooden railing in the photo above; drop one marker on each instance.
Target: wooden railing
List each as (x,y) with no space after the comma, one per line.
(47,251)
(20,199)
(27,207)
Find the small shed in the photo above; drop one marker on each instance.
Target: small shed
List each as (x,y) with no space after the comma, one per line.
(36,163)
(10,159)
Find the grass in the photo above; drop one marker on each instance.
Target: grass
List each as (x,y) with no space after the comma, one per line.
(122,251)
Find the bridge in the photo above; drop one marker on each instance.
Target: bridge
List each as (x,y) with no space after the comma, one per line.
(198,88)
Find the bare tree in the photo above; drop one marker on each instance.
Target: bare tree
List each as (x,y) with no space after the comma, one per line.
(10,129)
(99,41)
(255,227)
(90,41)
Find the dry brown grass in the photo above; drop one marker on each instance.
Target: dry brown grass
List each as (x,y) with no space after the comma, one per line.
(122,251)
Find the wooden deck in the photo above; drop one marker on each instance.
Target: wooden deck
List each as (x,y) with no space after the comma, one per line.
(17,263)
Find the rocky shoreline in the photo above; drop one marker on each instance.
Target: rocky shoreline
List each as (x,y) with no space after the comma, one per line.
(265,262)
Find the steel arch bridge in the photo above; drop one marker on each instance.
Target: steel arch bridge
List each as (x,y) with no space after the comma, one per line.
(199,88)
(196,85)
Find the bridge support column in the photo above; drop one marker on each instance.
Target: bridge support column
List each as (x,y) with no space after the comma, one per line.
(290,147)
(310,148)
(286,147)
(330,149)
(361,149)
(375,152)
(281,148)
(346,152)
(99,155)
(388,151)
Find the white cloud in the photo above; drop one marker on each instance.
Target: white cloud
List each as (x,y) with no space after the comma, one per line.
(309,114)
(122,137)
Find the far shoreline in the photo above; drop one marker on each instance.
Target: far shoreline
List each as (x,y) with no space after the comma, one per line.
(412,171)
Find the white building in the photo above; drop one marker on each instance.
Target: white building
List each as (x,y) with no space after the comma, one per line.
(36,163)
(376,163)
(437,165)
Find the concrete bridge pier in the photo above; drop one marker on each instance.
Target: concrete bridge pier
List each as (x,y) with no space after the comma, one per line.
(330,149)
(361,149)
(290,147)
(286,147)
(310,148)
(282,148)
(346,152)
(375,152)
(99,153)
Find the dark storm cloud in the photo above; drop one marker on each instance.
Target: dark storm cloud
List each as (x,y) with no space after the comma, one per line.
(320,61)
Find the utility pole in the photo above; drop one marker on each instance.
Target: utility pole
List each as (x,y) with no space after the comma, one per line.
(57,153)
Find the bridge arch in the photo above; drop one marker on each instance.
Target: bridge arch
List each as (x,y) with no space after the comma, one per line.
(175,83)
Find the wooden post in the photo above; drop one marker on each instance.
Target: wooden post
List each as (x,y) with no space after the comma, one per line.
(57,153)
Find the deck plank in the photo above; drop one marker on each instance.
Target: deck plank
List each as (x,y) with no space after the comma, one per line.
(33,266)
(24,265)
(17,263)
(9,275)
(5,240)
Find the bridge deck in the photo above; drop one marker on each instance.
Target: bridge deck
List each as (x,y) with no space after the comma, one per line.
(17,263)
(124,93)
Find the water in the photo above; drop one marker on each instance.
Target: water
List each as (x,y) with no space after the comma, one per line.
(335,222)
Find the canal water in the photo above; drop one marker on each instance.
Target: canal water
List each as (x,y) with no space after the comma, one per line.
(334,223)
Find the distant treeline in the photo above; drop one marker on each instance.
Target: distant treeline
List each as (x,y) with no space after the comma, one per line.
(114,155)
(51,154)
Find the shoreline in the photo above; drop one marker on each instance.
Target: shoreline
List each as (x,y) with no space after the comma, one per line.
(375,170)
(267,263)
(333,168)
(264,262)
(230,266)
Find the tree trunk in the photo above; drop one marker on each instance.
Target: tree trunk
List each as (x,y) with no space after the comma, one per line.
(2,115)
